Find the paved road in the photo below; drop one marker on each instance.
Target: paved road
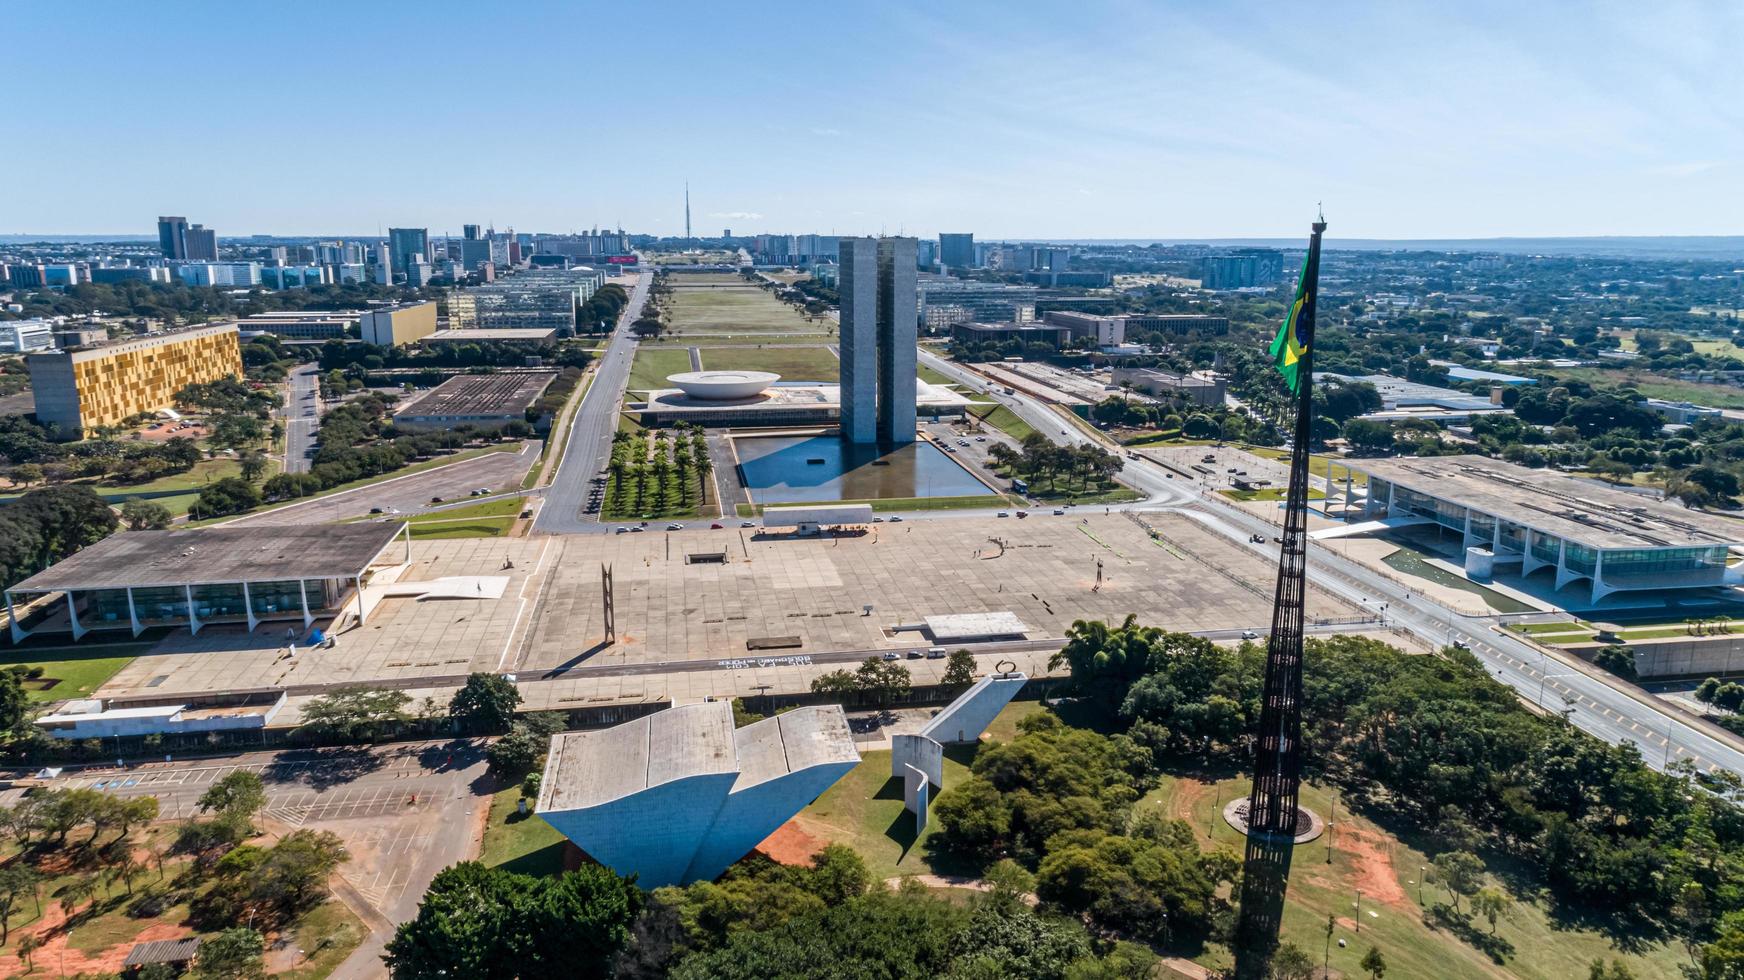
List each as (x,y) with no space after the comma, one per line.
(589,444)
(411,493)
(302,416)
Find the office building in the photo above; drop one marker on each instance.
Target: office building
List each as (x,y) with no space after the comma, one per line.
(240,274)
(172,238)
(878,336)
(384,265)
(64,274)
(398,325)
(976,333)
(680,795)
(1078,280)
(132,273)
(102,385)
(1101,331)
(68,336)
(26,275)
(1402,399)
(408,244)
(1682,413)
(596,244)
(300,324)
(957,251)
(192,578)
(1543,521)
(470,233)
(1242,268)
(1195,389)
(541,298)
(24,336)
(992,302)
(202,244)
(418,273)
(295,276)
(1112,331)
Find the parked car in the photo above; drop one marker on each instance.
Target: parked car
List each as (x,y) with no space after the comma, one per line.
(716,526)
(621,530)
(896,520)
(638,529)
(915,655)
(1058,511)
(747,523)
(1004,513)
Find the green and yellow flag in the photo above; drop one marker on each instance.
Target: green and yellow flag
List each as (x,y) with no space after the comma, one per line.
(1297,334)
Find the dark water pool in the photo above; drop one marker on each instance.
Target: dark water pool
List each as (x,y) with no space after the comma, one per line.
(803,469)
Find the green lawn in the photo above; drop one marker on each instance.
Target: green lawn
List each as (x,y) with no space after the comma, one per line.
(933,377)
(734,309)
(80,670)
(652,365)
(1413,562)
(792,363)
(1388,871)
(1535,629)
(176,491)
(1005,420)
(1317,465)
(526,844)
(864,810)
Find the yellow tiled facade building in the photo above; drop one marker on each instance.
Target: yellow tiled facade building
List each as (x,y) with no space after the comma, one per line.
(78,390)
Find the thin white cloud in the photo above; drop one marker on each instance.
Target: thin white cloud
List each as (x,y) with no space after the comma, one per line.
(825,131)
(737,215)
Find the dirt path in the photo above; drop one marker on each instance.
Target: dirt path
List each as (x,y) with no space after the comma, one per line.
(790,844)
(57,957)
(1188,793)
(1374,866)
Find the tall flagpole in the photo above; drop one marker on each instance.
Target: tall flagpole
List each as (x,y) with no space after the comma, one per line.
(1272,810)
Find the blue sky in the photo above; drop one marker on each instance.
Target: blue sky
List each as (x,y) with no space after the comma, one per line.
(1063,120)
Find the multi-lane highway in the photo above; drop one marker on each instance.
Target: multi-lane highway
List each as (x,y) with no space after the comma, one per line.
(589,444)
(301,415)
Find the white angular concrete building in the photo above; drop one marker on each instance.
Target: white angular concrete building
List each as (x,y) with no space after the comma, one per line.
(680,795)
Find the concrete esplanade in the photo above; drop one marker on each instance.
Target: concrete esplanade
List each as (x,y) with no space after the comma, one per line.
(722,386)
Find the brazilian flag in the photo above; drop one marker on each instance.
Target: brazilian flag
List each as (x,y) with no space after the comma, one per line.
(1296,336)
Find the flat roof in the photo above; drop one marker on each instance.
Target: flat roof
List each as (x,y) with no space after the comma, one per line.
(586,769)
(1591,514)
(487,334)
(214,555)
(1399,393)
(788,395)
(480,394)
(819,513)
(791,741)
(972,626)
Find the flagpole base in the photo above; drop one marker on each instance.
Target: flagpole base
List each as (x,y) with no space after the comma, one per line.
(1309,825)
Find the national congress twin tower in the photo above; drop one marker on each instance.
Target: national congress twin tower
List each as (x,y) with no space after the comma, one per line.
(879,316)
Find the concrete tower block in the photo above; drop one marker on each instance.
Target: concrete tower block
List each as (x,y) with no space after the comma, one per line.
(898,310)
(858,288)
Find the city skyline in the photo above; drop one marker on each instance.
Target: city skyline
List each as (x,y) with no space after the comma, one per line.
(1107,121)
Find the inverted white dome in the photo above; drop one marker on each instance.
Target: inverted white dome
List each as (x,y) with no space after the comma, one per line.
(722,386)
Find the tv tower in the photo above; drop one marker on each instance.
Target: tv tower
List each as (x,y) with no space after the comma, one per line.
(687,209)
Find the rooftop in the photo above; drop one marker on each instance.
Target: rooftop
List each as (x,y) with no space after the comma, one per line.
(789,395)
(587,769)
(486,334)
(202,556)
(1577,510)
(501,393)
(975,626)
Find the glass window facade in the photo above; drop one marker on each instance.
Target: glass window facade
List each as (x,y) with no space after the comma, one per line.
(1545,547)
(1579,558)
(1450,515)
(1378,493)
(1483,526)
(218,600)
(1513,536)
(1636,562)
(1410,501)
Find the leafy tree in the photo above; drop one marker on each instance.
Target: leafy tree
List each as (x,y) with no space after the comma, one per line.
(253,464)
(488,923)
(229,495)
(1492,904)
(1374,964)
(487,701)
(355,713)
(27,947)
(1617,659)
(837,683)
(14,701)
(884,680)
(145,515)
(876,935)
(1291,962)
(960,669)
(17,881)
(1462,872)
(235,954)
(237,793)
(525,746)
(1368,435)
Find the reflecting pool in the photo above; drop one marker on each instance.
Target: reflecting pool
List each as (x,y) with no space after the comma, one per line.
(804,469)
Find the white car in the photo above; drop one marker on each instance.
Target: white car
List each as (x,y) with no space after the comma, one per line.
(1249,635)
(675,526)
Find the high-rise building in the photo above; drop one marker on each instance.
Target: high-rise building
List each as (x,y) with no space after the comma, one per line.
(878,327)
(1242,268)
(957,251)
(418,272)
(24,336)
(398,325)
(470,233)
(202,244)
(77,390)
(407,244)
(384,265)
(172,236)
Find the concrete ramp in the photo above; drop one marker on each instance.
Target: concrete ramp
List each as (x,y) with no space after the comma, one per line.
(453,587)
(1365,527)
(962,721)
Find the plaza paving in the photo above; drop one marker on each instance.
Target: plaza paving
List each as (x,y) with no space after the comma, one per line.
(548,624)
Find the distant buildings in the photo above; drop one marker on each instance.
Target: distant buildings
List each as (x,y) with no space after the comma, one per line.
(1682,413)
(407,245)
(957,250)
(878,327)
(102,385)
(1112,331)
(972,332)
(26,275)
(1402,399)
(543,298)
(133,273)
(586,246)
(295,276)
(182,242)
(418,273)
(398,325)
(25,336)
(1242,268)
(242,274)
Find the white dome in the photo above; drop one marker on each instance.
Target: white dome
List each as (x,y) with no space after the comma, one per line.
(722,386)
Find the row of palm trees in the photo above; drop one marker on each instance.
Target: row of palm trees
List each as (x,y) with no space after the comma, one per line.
(645,471)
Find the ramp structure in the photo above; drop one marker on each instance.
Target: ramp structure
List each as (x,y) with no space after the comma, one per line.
(679,795)
(923,755)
